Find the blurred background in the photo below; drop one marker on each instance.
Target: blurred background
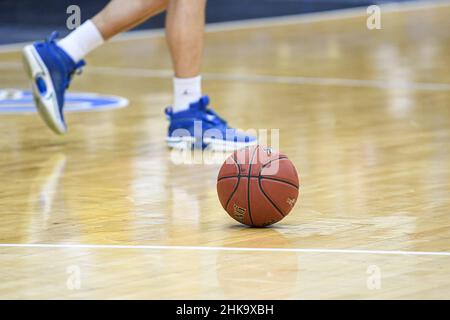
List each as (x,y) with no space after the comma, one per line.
(27,20)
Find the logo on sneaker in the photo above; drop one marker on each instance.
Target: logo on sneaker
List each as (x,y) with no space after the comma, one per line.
(21,101)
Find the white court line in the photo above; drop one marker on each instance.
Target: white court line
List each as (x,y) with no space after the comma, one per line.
(261,78)
(198,248)
(274,79)
(271,21)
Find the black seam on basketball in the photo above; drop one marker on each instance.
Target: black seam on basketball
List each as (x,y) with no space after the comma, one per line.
(281,180)
(275,179)
(260,185)
(261,177)
(237,164)
(269,162)
(232,194)
(237,184)
(228,177)
(248,186)
(270,200)
(237,176)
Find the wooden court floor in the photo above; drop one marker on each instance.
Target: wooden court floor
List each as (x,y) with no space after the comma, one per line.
(106,212)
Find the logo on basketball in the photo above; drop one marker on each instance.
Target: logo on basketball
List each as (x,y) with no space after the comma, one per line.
(291,202)
(239,212)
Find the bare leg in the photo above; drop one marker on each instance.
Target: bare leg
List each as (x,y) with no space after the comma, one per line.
(122,15)
(185,23)
(117,16)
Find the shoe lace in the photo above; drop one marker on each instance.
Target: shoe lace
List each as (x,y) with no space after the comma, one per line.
(209,115)
(78,68)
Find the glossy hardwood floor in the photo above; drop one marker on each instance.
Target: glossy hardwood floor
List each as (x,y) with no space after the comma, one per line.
(364,115)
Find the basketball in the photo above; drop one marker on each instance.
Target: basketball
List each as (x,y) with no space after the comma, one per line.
(257,186)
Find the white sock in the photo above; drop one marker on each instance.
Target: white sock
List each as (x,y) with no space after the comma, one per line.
(81,41)
(186,91)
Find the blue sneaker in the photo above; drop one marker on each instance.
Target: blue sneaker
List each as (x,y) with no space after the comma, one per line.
(50,70)
(201,127)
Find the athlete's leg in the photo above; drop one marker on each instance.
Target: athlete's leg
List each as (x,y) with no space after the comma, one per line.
(50,65)
(185,22)
(122,15)
(116,17)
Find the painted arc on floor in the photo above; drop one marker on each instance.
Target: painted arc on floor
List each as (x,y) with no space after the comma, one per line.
(16,101)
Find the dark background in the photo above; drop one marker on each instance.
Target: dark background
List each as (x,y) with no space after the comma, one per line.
(26,20)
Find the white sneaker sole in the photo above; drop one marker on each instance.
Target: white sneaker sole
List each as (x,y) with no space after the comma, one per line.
(46,104)
(211,144)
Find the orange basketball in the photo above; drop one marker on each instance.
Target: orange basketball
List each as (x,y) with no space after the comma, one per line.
(257,186)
